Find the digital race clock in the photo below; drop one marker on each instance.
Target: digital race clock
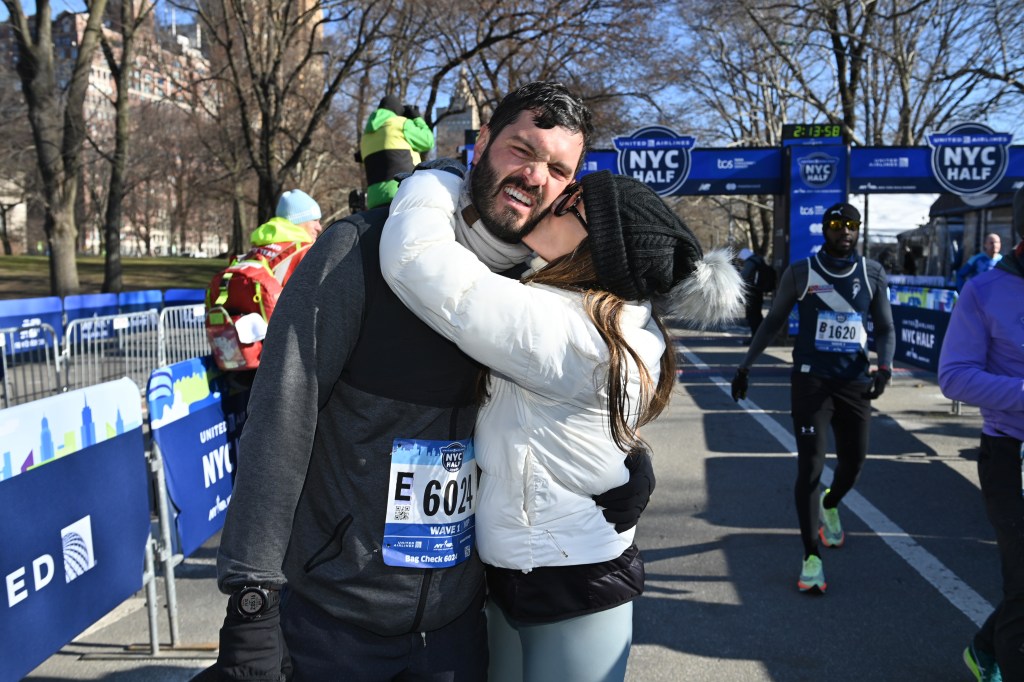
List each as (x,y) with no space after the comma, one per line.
(811,131)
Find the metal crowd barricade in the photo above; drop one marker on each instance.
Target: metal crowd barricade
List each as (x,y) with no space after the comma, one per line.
(182,334)
(29,363)
(104,348)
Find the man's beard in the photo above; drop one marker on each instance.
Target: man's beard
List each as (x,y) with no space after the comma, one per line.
(503,223)
(837,250)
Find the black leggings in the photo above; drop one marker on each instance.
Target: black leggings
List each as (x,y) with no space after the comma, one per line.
(1000,476)
(816,403)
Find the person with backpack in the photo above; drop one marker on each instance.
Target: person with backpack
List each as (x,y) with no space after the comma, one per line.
(241,298)
(352,394)
(759,277)
(394,138)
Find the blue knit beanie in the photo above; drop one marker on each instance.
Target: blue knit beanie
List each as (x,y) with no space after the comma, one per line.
(298,207)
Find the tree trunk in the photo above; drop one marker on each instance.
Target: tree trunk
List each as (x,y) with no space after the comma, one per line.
(4,209)
(58,132)
(239,244)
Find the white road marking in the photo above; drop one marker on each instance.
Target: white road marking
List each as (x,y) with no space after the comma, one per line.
(959,593)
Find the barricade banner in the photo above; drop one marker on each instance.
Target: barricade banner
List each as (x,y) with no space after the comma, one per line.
(78,306)
(138,301)
(183,296)
(196,415)
(30,313)
(933,298)
(919,334)
(74,517)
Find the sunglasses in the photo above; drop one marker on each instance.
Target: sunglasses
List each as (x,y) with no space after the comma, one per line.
(567,203)
(838,224)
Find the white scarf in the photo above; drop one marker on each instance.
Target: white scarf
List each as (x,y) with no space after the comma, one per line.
(471,233)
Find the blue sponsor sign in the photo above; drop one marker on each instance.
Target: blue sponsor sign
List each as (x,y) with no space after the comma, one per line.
(196,419)
(73,529)
(656,156)
(817,180)
(969,158)
(919,334)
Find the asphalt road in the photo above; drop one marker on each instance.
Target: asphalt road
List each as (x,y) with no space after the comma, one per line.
(918,572)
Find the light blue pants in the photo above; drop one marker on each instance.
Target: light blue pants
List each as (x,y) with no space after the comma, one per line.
(591,648)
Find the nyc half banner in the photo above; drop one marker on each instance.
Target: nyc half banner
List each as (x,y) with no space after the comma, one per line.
(73,526)
(196,414)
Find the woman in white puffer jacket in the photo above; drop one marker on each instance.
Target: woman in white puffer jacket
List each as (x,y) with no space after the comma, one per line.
(578,361)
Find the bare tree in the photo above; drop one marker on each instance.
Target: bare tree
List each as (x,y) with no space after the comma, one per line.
(132,16)
(58,126)
(273,65)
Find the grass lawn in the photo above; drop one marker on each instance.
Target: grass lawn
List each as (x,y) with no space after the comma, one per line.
(29,276)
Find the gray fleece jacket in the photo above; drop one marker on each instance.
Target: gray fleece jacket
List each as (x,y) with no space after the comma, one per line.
(345,370)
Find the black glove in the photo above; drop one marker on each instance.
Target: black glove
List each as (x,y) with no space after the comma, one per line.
(250,650)
(879,378)
(411,111)
(624,505)
(740,384)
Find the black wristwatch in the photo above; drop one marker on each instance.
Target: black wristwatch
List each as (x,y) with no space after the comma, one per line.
(253,601)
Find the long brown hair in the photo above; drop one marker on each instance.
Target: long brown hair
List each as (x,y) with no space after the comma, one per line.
(575,272)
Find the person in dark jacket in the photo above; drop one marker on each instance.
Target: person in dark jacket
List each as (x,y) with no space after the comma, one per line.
(360,417)
(394,138)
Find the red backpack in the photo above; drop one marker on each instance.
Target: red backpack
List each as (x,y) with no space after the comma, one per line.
(246,286)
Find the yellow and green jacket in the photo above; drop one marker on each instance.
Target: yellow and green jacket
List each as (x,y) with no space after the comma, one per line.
(391,144)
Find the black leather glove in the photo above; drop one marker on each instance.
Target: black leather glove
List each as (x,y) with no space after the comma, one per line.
(411,111)
(624,505)
(879,379)
(740,384)
(250,650)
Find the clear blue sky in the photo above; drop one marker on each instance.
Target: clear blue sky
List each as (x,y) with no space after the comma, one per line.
(57,6)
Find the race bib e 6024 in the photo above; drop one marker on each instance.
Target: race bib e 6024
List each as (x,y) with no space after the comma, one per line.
(431,493)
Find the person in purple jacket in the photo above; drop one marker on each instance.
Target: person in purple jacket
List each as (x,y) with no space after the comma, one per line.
(982,363)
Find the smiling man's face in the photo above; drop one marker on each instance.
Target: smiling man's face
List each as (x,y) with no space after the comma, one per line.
(518,174)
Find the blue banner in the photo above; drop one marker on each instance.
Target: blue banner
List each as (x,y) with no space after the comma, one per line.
(138,301)
(184,296)
(713,171)
(24,312)
(196,415)
(880,170)
(73,529)
(919,334)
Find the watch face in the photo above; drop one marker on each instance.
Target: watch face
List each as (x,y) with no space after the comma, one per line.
(250,602)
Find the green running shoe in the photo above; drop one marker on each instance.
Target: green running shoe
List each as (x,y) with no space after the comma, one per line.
(831,531)
(983,665)
(812,577)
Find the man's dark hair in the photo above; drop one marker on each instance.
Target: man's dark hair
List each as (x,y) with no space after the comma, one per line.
(553,105)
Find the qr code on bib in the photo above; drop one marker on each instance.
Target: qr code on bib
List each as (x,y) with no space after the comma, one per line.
(402,512)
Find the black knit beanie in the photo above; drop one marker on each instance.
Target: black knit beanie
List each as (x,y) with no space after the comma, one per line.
(640,247)
(391,103)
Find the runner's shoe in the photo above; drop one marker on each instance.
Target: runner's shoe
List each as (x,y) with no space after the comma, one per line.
(831,530)
(812,577)
(983,665)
